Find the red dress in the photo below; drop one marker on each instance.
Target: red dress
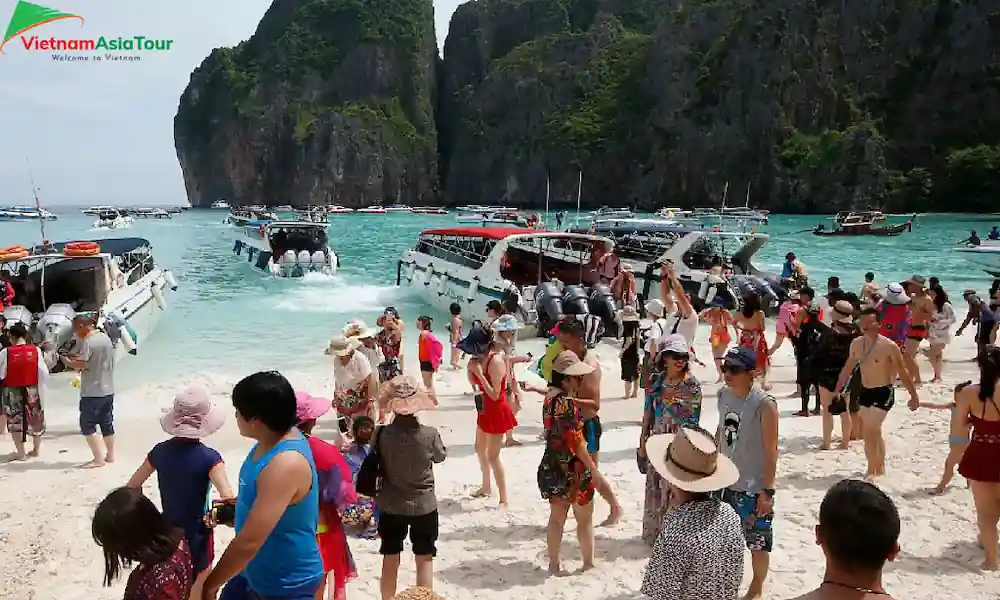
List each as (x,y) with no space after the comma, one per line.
(169,580)
(981,461)
(336,488)
(497,418)
(755,340)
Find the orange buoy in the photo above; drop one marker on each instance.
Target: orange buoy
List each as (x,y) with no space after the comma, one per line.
(82,249)
(13,253)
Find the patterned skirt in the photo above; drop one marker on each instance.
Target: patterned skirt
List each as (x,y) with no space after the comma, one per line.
(23,408)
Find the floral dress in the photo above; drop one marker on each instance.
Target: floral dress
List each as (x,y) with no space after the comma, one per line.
(390,350)
(669,406)
(561,475)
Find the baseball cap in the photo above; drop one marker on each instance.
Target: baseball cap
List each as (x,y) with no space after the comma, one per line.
(741,358)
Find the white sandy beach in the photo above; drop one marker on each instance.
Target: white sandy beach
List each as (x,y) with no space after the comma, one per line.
(46,550)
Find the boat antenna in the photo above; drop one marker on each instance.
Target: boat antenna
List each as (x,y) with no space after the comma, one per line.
(41,226)
(38,203)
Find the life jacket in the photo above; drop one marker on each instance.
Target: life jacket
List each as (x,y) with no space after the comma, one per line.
(895,321)
(22,366)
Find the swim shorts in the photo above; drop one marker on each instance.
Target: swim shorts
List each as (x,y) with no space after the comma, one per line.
(426,366)
(881,397)
(756,528)
(917,332)
(592,433)
(97,412)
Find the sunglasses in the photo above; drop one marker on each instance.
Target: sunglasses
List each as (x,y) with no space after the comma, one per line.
(675,356)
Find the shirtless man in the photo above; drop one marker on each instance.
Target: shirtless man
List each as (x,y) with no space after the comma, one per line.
(881,361)
(571,336)
(869,291)
(922,311)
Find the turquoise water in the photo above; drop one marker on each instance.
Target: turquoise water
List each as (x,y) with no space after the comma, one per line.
(227,320)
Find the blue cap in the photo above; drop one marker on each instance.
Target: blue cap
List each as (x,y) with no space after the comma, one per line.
(741,357)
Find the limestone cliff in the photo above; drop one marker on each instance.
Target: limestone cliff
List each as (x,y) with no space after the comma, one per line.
(330,101)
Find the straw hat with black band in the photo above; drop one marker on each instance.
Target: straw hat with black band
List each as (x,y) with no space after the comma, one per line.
(690,460)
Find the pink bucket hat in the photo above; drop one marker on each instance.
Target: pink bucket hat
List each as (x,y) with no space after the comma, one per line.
(308,407)
(192,416)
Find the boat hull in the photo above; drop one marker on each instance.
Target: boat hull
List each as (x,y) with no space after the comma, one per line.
(140,307)
(260,259)
(986,257)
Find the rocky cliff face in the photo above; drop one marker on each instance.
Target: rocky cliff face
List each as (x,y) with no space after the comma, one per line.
(330,101)
(813,106)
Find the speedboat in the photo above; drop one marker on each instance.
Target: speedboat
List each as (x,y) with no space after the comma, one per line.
(284,208)
(606,212)
(866,222)
(112,219)
(337,209)
(219,204)
(287,248)
(429,210)
(506,218)
(372,210)
(551,273)
(241,216)
(151,213)
(317,215)
(25,213)
(398,208)
(986,255)
(648,243)
(114,280)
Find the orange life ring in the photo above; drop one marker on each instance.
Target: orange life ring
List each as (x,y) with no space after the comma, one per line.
(13,253)
(82,249)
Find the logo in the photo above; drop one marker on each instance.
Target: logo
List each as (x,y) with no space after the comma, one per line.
(29,16)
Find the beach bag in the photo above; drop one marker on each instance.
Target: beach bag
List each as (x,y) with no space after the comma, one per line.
(369,481)
(551,352)
(435,349)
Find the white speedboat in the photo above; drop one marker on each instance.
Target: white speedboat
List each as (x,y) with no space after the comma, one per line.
(151,213)
(372,210)
(552,273)
(114,280)
(112,219)
(25,213)
(220,204)
(287,248)
(239,217)
(429,210)
(284,208)
(96,210)
(985,255)
(606,212)
(505,218)
(317,215)
(398,208)
(337,209)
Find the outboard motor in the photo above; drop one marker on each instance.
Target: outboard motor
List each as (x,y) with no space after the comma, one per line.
(120,331)
(769,299)
(777,285)
(55,332)
(18,313)
(549,305)
(304,257)
(602,304)
(288,257)
(574,300)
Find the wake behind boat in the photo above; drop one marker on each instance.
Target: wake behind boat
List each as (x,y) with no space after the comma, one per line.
(112,219)
(114,280)
(287,248)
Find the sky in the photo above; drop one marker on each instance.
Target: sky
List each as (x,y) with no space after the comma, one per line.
(102,132)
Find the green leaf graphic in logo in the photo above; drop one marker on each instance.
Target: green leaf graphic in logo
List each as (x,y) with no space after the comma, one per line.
(28,16)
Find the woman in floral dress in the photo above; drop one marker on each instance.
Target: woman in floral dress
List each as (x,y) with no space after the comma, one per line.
(673,400)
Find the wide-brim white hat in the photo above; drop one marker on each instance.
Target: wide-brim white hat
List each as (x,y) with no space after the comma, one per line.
(690,460)
(192,416)
(895,294)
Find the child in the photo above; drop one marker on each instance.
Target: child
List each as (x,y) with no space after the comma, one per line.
(129,529)
(336,490)
(630,351)
(361,519)
(185,468)
(958,441)
(429,352)
(455,332)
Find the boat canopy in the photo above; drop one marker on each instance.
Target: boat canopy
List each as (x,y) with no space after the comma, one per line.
(489,233)
(112,246)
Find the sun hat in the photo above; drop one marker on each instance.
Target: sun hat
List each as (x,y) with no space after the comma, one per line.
(969,292)
(845,310)
(630,314)
(192,415)
(656,307)
(357,329)
(916,280)
(505,323)
(404,396)
(894,294)
(674,343)
(690,460)
(476,342)
(741,358)
(418,593)
(342,346)
(309,407)
(568,363)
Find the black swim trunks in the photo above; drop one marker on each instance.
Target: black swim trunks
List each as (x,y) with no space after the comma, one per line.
(880,397)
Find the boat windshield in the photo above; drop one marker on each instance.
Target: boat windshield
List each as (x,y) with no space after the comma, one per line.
(297,239)
(535,259)
(458,249)
(80,282)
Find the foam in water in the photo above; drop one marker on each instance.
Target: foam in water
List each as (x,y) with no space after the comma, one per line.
(330,294)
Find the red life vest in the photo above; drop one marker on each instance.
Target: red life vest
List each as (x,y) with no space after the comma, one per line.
(22,366)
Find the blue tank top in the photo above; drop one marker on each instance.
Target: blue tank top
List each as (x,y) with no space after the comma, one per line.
(289,561)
